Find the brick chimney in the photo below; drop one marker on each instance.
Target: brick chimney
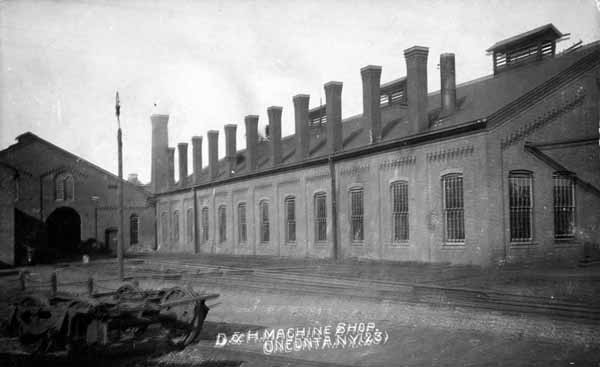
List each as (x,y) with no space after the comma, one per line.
(213,153)
(416,88)
(274,113)
(171,153)
(160,163)
(333,108)
(251,122)
(448,84)
(301,124)
(230,148)
(183,163)
(197,157)
(371,80)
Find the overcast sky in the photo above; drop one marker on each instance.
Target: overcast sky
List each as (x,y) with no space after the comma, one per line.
(210,63)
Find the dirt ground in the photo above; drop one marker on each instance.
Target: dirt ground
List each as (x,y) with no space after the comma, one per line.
(417,335)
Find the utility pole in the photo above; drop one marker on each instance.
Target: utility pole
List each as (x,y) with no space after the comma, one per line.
(121,226)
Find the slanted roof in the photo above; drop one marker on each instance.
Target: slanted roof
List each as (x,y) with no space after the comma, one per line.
(29,137)
(546,32)
(477,100)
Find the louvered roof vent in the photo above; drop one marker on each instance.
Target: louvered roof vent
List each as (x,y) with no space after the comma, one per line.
(523,48)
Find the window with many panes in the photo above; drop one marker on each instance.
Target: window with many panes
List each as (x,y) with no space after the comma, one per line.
(264,221)
(222,223)
(190,225)
(357,214)
(134,226)
(64,187)
(204,220)
(520,205)
(399,193)
(453,207)
(564,205)
(164,221)
(242,226)
(320,217)
(175,226)
(290,219)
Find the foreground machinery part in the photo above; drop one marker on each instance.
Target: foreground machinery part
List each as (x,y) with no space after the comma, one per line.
(77,324)
(183,320)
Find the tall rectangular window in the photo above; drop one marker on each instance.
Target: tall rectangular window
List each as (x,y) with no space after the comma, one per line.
(69,188)
(134,223)
(176,226)
(521,205)
(357,214)
(399,192)
(564,205)
(290,219)
(164,221)
(190,225)
(204,218)
(453,207)
(242,227)
(264,221)
(222,223)
(59,188)
(320,217)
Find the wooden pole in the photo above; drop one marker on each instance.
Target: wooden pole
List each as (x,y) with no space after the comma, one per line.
(54,283)
(121,225)
(90,285)
(121,242)
(22,280)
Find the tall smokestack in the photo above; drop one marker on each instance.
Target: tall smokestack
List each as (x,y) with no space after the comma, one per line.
(230,148)
(160,163)
(197,157)
(448,83)
(213,153)
(251,141)
(301,124)
(371,80)
(333,108)
(416,88)
(183,163)
(274,113)
(171,154)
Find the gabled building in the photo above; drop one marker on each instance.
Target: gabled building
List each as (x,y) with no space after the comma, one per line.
(502,168)
(54,201)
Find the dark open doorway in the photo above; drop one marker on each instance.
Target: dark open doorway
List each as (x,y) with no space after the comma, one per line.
(64,230)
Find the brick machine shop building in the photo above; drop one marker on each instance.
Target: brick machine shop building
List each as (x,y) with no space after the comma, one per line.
(505,167)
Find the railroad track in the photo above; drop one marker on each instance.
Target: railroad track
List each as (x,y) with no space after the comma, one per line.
(279,280)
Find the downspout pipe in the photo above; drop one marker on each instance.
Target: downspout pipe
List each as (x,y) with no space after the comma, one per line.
(196,246)
(334,225)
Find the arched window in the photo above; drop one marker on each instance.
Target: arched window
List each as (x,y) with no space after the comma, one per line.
(521,204)
(222,223)
(204,224)
(290,219)
(320,216)
(399,193)
(564,205)
(242,227)
(264,221)
(176,226)
(134,229)
(164,222)
(190,225)
(453,207)
(357,214)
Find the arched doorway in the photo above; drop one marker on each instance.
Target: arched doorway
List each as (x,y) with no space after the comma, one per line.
(64,229)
